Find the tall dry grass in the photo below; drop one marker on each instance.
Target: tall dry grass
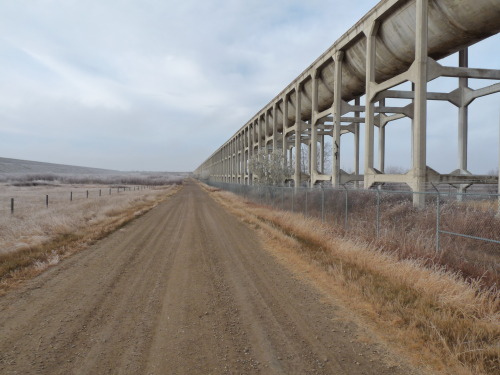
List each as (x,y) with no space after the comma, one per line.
(438,317)
(411,232)
(406,231)
(35,237)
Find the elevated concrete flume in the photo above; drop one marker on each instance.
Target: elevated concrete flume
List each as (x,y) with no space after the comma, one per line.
(397,41)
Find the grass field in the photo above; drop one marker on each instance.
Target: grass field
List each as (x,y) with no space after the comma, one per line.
(36,236)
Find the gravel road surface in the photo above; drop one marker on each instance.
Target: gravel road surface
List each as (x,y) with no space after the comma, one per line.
(184,289)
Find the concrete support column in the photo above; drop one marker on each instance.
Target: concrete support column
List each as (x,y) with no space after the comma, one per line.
(371,36)
(244,156)
(309,165)
(420,117)
(229,162)
(463,57)
(412,123)
(249,141)
(224,161)
(260,134)
(231,148)
(267,122)
(381,140)
(463,121)
(381,148)
(238,159)
(298,132)
(356,142)
(337,117)
(322,161)
(285,127)
(241,146)
(275,127)
(235,160)
(241,154)
(313,145)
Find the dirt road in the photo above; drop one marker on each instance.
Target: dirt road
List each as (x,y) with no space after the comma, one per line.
(185,289)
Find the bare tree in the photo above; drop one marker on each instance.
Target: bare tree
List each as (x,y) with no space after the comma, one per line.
(269,168)
(304,159)
(328,160)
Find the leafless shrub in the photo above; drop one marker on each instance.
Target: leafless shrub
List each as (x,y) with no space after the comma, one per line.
(269,168)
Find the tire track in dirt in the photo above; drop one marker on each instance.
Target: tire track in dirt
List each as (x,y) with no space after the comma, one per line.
(185,289)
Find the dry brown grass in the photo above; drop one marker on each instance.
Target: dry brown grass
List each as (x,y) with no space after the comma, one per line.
(437,317)
(33,240)
(409,232)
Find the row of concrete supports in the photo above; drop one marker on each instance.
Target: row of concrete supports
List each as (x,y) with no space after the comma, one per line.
(265,131)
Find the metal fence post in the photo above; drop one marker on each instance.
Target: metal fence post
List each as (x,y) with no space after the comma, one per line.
(438,214)
(47,200)
(87,194)
(322,204)
(377,224)
(346,207)
(305,209)
(71,196)
(11,205)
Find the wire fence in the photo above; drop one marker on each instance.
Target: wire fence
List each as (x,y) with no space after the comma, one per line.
(24,199)
(449,220)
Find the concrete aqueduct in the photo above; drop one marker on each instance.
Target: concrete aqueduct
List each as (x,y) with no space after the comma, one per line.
(397,41)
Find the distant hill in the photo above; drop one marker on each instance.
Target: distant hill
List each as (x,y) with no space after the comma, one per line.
(35,167)
(32,173)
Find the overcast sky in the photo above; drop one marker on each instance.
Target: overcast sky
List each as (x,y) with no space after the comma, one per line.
(161,84)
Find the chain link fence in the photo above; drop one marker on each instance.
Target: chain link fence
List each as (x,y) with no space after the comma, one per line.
(458,229)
